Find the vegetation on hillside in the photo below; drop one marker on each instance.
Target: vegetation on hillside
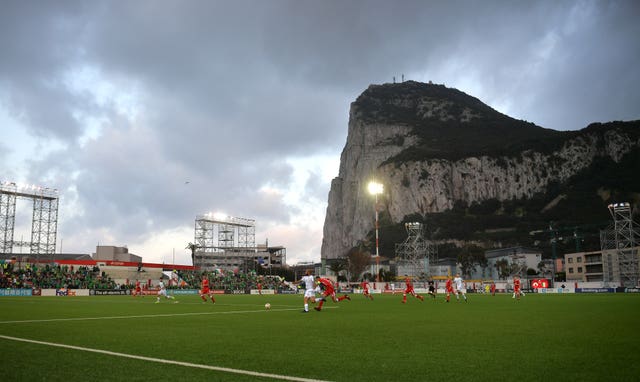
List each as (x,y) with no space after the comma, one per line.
(575,221)
(453,125)
(489,132)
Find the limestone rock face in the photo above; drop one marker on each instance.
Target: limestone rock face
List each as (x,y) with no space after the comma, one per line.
(383,127)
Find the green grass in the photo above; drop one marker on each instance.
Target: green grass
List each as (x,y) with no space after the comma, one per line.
(542,337)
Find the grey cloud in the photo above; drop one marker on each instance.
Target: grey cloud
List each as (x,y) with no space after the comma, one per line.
(230,89)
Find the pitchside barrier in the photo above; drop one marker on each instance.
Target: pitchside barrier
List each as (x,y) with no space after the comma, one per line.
(26,292)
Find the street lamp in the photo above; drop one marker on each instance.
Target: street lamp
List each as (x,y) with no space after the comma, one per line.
(375,189)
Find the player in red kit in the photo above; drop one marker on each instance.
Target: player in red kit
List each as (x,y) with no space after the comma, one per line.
(493,288)
(409,290)
(205,291)
(516,287)
(365,289)
(327,291)
(138,290)
(448,287)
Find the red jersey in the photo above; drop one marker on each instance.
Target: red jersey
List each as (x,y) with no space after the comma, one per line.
(409,284)
(449,285)
(516,285)
(365,286)
(205,286)
(328,286)
(138,286)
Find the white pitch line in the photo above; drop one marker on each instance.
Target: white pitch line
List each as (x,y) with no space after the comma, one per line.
(148,316)
(166,361)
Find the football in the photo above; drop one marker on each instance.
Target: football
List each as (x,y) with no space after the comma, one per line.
(267,306)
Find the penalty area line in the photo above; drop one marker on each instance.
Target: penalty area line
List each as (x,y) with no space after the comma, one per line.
(165,361)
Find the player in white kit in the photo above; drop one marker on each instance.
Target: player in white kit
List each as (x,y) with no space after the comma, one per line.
(309,284)
(163,292)
(460,288)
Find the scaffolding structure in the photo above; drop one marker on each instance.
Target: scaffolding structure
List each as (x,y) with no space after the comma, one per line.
(223,239)
(415,252)
(44,223)
(622,237)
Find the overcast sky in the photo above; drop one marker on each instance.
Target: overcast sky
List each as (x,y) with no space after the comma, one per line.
(144,114)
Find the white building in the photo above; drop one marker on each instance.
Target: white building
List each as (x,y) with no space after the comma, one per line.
(519,259)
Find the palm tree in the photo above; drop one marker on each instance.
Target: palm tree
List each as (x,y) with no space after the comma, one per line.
(193,248)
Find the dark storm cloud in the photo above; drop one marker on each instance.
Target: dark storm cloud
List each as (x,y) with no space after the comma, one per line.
(226,91)
(38,41)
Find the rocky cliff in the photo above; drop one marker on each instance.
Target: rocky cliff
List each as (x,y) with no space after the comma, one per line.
(432,147)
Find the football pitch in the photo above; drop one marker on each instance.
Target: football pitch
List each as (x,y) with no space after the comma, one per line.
(569,337)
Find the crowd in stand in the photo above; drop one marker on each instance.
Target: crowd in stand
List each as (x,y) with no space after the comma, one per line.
(53,276)
(44,276)
(227,280)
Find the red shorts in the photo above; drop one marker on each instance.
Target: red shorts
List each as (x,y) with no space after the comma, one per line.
(205,291)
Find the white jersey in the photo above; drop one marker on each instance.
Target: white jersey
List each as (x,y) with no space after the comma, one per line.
(309,283)
(459,283)
(163,289)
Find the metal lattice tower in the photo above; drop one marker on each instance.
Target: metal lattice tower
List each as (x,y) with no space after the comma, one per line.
(218,234)
(416,251)
(626,237)
(44,224)
(7,220)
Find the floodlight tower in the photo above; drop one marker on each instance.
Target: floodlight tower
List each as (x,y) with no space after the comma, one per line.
(8,196)
(44,224)
(626,236)
(376,189)
(415,250)
(219,233)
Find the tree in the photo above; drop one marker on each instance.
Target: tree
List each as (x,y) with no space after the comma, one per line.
(192,247)
(471,256)
(386,276)
(516,268)
(502,266)
(337,266)
(542,268)
(358,261)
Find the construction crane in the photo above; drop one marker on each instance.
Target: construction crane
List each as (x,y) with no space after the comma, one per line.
(577,234)
(554,233)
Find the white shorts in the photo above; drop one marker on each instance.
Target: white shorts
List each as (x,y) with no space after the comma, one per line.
(310,293)
(162,292)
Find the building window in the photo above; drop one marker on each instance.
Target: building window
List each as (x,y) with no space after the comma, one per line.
(579,259)
(579,269)
(570,260)
(570,270)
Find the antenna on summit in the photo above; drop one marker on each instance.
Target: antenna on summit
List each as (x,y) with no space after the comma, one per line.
(403,78)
